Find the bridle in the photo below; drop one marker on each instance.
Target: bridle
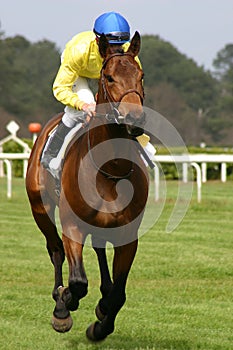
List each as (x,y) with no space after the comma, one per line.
(114,115)
(108,96)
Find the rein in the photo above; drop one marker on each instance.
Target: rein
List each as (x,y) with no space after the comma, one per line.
(105,173)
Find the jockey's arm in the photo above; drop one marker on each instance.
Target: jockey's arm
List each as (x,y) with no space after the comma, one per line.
(68,75)
(62,87)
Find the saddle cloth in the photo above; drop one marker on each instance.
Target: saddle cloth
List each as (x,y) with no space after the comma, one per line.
(55,164)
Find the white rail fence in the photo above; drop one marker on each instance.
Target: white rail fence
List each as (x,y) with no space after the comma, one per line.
(7,159)
(197,161)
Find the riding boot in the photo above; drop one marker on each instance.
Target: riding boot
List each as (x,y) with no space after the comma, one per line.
(54,144)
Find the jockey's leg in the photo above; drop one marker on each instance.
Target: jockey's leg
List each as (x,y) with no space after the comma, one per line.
(54,144)
(69,120)
(58,141)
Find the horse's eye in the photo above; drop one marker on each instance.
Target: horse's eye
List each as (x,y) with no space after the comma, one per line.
(109,78)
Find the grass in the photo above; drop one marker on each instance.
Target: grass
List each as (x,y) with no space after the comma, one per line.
(179,293)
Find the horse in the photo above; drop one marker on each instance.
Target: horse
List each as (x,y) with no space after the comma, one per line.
(103,192)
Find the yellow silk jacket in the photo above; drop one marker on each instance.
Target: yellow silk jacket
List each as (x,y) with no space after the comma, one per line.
(81,57)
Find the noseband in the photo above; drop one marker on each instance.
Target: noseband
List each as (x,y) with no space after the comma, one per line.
(107,94)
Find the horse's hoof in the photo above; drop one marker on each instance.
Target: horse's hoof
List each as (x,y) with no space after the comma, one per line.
(99,313)
(90,332)
(62,325)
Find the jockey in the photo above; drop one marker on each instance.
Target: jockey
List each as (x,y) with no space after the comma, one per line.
(80,60)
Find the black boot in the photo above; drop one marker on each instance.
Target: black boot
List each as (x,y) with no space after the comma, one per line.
(55,144)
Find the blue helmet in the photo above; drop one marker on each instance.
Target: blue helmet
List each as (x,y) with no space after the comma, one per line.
(114,26)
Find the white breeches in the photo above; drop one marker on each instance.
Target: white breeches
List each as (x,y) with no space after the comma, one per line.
(81,88)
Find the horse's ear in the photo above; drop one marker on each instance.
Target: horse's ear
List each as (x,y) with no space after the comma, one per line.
(103,45)
(135,45)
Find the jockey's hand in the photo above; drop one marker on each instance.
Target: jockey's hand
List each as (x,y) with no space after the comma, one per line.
(89,109)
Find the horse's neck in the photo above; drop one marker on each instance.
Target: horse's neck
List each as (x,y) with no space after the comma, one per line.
(103,131)
(110,142)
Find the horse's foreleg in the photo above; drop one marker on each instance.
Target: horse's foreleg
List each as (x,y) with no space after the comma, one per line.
(78,283)
(106,283)
(123,259)
(61,320)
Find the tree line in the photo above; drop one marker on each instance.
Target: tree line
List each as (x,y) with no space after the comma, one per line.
(199,103)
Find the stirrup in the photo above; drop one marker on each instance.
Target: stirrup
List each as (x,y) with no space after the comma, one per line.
(46,159)
(54,171)
(51,163)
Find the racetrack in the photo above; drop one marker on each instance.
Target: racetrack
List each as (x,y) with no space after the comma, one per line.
(179,292)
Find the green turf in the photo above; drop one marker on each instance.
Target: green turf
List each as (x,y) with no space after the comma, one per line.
(179,292)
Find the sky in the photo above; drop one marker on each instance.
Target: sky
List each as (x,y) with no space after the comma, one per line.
(197,28)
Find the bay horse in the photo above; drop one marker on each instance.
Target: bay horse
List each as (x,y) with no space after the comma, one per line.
(103,192)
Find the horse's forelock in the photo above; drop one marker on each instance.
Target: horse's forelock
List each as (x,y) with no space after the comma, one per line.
(116,49)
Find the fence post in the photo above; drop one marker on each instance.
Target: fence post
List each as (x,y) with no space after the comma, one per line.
(156,182)
(198,170)
(1,165)
(204,172)
(185,172)
(223,172)
(9,177)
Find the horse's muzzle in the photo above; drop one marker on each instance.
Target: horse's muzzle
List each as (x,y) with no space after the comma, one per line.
(135,125)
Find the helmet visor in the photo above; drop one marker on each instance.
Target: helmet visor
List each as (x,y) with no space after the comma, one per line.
(116,37)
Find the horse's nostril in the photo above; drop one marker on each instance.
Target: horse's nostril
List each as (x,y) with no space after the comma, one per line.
(129,119)
(133,121)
